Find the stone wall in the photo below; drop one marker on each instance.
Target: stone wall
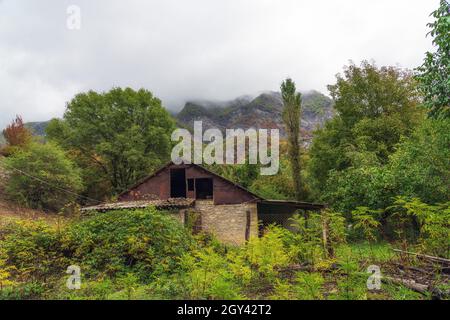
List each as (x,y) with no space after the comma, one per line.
(228,222)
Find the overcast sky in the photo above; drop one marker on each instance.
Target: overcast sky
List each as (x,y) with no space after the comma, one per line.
(196,49)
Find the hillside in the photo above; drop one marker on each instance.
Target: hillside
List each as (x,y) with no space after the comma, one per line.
(264,111)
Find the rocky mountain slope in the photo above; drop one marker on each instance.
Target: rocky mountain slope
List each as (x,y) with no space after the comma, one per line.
(264,111)
(244,112)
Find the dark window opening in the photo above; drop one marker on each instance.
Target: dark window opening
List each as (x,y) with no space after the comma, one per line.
(190,183)
(204,188)
(178,183)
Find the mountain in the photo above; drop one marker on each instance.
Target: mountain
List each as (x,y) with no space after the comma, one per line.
(37,128)
(264,111)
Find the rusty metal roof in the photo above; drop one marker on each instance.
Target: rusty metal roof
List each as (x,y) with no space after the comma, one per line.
(139,204)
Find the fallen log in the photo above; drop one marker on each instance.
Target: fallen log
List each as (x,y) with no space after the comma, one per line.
(403,267)
(425,256)
(426,290)
(411,284)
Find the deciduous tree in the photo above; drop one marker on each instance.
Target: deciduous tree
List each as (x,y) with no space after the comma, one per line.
(292,101)
(123,133)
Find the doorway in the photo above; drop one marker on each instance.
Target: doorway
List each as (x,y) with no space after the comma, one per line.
(178,183)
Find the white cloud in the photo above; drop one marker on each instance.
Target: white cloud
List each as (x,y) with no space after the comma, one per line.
(195,49)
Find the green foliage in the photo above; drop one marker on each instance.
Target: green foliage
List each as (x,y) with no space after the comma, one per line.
(32,249)
(402,293)
(243,174)
(279,186)
(267,254)
(352,286)
(306,286)
(5,273)
(434,73)
(118,253)
(208,273)
(145,241)
(124,134)
(42,177)
(24,291)
(307,242)
(292,101)
(375,108)
(366,221)
(421,165)
(282,290)
(309,286)
(433,221)
(208,276)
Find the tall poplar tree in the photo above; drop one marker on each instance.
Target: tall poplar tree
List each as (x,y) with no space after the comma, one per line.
(292,101)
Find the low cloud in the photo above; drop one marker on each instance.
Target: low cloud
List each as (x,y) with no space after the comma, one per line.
(195,49)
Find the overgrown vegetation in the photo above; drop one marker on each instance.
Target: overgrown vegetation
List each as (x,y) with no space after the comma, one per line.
(381,164)
(146,254)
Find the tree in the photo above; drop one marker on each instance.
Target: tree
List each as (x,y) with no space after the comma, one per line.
(42,177)
(292,101)
(419,168)
(121,135)
(16,135)
(434,74)
(375,107)
(421,165)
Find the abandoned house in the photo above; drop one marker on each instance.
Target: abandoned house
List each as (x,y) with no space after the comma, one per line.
(207,201)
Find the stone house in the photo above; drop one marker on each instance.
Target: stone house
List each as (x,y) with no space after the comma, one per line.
(208,201)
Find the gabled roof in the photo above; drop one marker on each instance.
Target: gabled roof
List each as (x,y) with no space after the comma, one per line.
(170,163)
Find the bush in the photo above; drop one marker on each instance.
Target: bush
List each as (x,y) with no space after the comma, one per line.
(433,223)
(42,177)
(147,242)
(33,249)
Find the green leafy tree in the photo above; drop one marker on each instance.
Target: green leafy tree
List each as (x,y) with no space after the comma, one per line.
(42,177)
(375,108)
(434,74)
(421,165)
(279,186)
(123,134)
(292,101)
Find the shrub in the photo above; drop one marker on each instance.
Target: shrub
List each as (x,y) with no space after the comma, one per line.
(352,282)
(42,177)
(433,223)
(309,286)
(308,243)
(144,241)
(33,249)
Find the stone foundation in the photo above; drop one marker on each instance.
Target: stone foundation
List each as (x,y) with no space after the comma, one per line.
(230,223)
